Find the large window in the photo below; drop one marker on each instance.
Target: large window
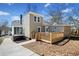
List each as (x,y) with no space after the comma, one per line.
(18,30)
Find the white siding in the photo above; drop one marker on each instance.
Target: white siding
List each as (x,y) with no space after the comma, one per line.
(26,25)
(58,28)
(12,30)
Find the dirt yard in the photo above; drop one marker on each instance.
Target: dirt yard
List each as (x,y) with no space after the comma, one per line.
(44,49)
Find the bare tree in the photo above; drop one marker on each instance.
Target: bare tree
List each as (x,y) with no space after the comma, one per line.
(3,26)
(56,16)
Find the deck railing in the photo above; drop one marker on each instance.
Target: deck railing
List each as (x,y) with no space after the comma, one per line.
(50,36)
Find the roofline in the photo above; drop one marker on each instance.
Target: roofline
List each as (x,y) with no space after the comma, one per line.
(56,25)
(30,12)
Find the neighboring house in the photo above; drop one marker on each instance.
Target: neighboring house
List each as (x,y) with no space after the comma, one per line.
(4,30)
(17,28)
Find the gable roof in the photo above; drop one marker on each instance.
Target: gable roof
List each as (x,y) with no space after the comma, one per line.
(30,12)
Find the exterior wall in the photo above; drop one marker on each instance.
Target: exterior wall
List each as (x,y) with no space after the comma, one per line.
(12,30)
(57,29)
(67,30)
(34,25)
(26,25)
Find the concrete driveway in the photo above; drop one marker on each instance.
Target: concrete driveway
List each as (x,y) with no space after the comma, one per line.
(9,48)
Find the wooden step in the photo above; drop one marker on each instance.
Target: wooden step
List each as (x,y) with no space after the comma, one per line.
(63,42)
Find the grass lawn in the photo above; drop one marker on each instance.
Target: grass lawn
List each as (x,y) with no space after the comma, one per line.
(69,49)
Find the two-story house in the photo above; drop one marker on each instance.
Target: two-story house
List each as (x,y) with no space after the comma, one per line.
(32,23)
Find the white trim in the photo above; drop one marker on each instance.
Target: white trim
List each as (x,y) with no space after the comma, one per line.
(37,14)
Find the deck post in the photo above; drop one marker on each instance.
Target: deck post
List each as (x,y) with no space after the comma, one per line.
(50,37)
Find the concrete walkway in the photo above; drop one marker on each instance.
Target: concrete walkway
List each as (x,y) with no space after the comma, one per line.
(9,48)
(26,42)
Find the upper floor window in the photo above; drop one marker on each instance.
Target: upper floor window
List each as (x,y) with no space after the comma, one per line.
(35,18)
(38,19)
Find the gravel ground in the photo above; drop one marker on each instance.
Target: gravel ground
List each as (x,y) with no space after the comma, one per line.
(44,49)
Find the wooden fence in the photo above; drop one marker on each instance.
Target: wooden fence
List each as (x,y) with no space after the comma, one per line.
(50,37)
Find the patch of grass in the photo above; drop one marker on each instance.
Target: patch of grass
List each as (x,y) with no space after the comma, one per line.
(1,40)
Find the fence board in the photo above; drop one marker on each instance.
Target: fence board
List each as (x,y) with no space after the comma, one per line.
(51,36)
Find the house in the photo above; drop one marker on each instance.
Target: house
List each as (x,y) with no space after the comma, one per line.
(4,30)
(32,25)
(17,28)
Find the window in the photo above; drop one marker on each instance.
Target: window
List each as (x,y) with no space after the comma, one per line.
(46,29)
(14,30)
(53,29)
(39,29)
(18,30)
(35,18)
(38,19)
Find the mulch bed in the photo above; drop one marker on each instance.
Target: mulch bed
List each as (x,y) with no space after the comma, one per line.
(44,49)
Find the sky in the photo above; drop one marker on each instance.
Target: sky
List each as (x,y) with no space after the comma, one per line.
(12,11)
